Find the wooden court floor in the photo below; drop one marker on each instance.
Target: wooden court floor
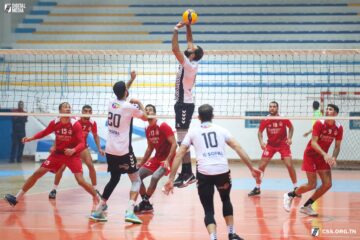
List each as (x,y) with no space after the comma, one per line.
(179,216)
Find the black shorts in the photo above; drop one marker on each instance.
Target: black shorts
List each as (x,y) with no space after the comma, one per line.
(183,114)
(221,181)
(121,164)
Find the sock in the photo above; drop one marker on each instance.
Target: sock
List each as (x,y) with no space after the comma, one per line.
(213,236)
(292,194)
(258,186)
(19,195)
(186,168)
(308,202)
(131,206)
(101,204)
(230,229)
(94,186)
(55,187)
(295,185)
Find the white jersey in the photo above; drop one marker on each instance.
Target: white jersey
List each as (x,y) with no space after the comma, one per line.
(119,124)
(209,141)
(185,80)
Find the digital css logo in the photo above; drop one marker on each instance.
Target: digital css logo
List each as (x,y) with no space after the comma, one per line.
(315,232)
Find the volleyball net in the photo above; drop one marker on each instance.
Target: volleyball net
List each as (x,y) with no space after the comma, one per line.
(238,84)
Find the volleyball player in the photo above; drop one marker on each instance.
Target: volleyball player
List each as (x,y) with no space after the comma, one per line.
(87,125)
(160,137)
(184,106)
(119,152)
(278,141)
(317,160)
(69,142)
(209,141)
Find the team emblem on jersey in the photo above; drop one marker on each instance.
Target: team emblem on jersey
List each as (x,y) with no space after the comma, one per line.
(280,124)
(275,124)
(115,105)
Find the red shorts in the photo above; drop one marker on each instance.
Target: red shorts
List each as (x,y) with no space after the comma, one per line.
(283,149)
(55,161)
(154,163)
(314,163)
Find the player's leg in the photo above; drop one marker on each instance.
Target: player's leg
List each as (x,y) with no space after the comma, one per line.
(29,183)
(143,173)
(58,176)
(183,116)
(310,185)
(326,183)
(133,173)
(223,185)
(285,153)
(205,188)
(86,157)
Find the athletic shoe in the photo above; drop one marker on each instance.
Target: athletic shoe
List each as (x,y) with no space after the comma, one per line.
(98,217)
(11,199)
(308,211)
(188,179)
(287,202)
(132,218)
(234,236)
(256,191)
(297,195)
(52,194)
(179,180)
(144,207)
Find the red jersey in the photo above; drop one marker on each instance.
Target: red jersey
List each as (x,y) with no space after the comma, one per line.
(327,134)
(68,135)
(88,126)
(157,135)
(276,130)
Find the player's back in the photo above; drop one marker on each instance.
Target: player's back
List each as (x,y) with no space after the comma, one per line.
(120,115)
(209,141)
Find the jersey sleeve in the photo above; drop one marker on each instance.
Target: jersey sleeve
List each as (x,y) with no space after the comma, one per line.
(166,129)
(227,134)
(187,140)
(136,112)
(262,125)
(288,123)
(49,129)
(317,129)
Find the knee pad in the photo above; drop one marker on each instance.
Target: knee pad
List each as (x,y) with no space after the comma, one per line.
(209,219)
(227,208)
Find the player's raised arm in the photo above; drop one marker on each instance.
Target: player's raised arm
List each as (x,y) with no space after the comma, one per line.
(131,80)
(175,43)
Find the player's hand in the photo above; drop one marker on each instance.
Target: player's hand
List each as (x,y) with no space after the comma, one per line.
(166,164)
(168,187)
(132,75)
(102,152)
(257,173)
(180,24)
(135,101)
(26,139)
(69,151)
(289,141)
(306,134)
(330,160)
(263,146)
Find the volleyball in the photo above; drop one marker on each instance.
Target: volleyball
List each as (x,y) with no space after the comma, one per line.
(190,16)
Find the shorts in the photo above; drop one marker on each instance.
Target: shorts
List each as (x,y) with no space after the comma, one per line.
(56,160)
(283,149)
(183,114)
(313,163)
(121,164)
(221,181)
(154,163)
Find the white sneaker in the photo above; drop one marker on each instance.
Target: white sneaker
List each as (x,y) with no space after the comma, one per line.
(308,211)
(287,202)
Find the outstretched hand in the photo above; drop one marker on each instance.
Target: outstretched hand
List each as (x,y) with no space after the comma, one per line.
(168,187)
(257,173)
(180,24)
